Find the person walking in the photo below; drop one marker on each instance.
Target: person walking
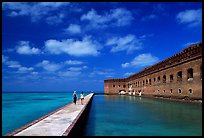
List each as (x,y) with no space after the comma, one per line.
(82,97)
(75,96)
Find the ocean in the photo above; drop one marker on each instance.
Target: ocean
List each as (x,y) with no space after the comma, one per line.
(110,115)
(21,108)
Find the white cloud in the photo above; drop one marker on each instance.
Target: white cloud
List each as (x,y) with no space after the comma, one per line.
(47,65)
(141,61)
(23,47)
(69,73)
(4,58)
(55,20)
(86,47)
(73,62)
(24,69)
(16,64)
(149,17)
(13,64)
(118,17)
(128,43)
(34,73)
(190,17)
(36,10)
(190,43)
(74,29)
(75,68)
(103,72)
(128,74)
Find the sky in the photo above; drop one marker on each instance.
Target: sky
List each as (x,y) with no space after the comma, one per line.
(67,46)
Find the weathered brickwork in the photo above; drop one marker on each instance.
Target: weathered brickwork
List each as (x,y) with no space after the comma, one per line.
(179,77)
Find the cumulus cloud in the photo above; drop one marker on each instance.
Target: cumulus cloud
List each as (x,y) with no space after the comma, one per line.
(128,43)
(47,65)
(16,64)
(36,10)
(141,61)
(23,47)
(85,47)
(73,29)
(117,17)
(190,17)
(55,20)
(73,62)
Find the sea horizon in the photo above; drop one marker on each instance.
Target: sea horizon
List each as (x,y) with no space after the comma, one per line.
(49,91)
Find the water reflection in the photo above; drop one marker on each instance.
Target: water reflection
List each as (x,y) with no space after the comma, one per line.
(133,115)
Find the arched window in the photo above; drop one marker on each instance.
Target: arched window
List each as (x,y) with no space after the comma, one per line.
(171,77)
(158,79)
(179,90)
(150,83)
(118,85)
(179,76)
(171,90)
(154,79)
(190,91)
(143,82)
(190,74)
(146,81)
(164,79)
(123,86)
(113,85)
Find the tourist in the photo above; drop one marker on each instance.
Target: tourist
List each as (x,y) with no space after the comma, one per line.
(75,96)
(82,97)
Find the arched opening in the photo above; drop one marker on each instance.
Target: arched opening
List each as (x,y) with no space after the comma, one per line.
(179,90)
(158,79)
(179,76)
(150,83)
(171,78)
(146,81)
(113,85)
(190,74)
(190,91)
(164,79)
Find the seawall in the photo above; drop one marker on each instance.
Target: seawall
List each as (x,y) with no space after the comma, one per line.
(61,122)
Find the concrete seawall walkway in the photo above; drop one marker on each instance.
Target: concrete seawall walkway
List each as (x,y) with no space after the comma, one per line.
(58,123)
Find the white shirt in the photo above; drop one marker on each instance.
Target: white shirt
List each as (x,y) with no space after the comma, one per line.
(81,96)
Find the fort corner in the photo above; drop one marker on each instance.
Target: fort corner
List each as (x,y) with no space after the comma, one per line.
(177,77)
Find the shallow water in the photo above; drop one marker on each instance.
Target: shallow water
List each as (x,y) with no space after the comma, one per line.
(19,109)
(121,115)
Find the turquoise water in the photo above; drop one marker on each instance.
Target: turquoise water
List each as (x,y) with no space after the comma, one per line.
(121,115)
(19,109)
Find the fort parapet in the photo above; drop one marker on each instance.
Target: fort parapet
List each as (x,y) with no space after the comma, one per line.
(179,77)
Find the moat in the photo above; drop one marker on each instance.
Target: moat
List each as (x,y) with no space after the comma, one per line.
(123,115)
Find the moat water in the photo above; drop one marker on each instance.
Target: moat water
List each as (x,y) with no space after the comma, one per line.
(121,115)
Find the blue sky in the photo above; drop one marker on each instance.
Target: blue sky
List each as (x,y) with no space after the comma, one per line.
(48,46)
